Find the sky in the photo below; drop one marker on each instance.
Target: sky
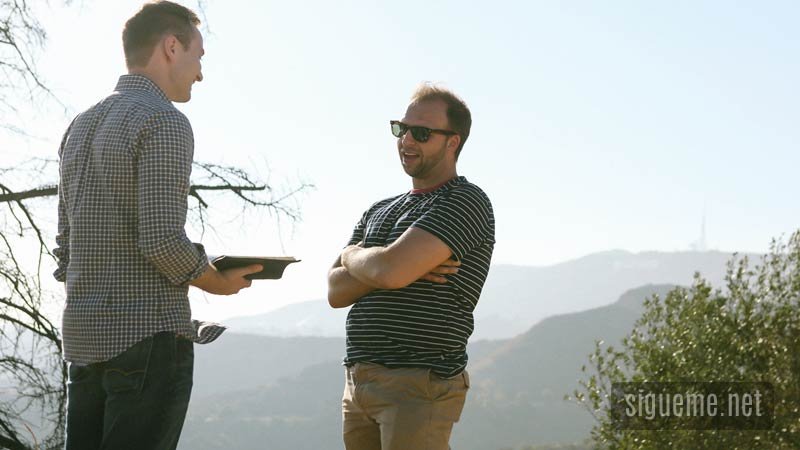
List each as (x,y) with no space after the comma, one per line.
(596,125)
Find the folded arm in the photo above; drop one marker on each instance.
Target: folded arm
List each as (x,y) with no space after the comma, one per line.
(343,288)
(416,254)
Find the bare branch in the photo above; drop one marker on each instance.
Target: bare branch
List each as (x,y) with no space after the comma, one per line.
(10,196)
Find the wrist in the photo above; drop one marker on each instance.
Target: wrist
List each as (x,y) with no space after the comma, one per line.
(208,280)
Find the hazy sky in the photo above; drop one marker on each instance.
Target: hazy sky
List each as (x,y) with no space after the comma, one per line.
(597,125)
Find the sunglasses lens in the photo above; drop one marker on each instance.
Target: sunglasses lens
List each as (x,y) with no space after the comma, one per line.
(421,134)
(398,129)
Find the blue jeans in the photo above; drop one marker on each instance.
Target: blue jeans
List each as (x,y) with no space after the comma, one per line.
(136,400)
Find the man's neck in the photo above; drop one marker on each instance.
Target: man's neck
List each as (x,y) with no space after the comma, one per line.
(442,172)
(429,189)
(155,76)
(431,184)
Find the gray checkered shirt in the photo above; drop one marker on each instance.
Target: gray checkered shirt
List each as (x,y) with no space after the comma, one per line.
(121,246)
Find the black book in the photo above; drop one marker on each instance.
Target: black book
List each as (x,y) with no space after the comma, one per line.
(273,265)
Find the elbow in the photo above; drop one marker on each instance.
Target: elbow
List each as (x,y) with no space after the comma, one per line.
(149,249)
(333,300)
(336,300)
(157,248)
(336,295)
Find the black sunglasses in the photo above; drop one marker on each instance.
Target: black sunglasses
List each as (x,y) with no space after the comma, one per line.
(420,134)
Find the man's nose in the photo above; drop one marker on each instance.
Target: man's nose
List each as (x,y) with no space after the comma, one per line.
(408,138)
(199,77)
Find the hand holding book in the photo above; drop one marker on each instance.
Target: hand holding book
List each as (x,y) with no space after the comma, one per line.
(273,266)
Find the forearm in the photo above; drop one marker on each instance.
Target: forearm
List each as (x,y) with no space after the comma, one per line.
(344,289)
(208,280)
(368,266)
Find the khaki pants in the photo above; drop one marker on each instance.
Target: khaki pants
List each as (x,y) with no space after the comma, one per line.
(400,409)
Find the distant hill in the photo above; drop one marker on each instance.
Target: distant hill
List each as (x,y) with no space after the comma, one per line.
(517,297)
(310,318)
(238,362)
(516,398)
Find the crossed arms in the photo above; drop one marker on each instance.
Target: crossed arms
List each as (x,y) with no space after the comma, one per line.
(417,254)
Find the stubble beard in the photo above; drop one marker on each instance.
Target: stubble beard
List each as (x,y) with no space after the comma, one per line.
(425,165)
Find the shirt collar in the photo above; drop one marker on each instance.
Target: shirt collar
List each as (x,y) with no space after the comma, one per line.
(135,82)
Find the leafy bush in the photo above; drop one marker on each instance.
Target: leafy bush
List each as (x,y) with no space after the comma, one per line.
(747,332)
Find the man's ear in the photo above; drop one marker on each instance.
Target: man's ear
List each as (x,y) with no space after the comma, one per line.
(453,142)
(169,45)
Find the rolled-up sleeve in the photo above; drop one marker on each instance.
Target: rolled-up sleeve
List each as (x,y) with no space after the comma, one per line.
(61,251)
(165,151)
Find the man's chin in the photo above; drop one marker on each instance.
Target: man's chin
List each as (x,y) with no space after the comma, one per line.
(410,171)
(183,98)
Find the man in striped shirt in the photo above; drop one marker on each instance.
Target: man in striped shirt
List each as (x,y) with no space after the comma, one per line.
(413,271)
(122,250)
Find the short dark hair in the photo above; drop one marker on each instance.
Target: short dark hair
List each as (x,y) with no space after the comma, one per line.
(146,28)
(458,116)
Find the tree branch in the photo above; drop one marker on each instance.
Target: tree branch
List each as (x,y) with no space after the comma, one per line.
(10,196)
(49,191)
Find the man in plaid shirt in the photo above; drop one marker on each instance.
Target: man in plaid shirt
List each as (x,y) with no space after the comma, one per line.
(122,250)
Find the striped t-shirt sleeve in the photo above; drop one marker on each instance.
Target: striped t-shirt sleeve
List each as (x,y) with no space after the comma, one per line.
(358,230)
(461,219)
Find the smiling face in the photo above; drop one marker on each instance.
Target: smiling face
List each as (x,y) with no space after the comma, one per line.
(186,68)
(433,162)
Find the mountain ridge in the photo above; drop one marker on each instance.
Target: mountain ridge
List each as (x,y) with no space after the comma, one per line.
(506,309)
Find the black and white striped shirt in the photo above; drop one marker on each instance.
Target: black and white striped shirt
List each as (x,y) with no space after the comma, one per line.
(121,246)
(424,324)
